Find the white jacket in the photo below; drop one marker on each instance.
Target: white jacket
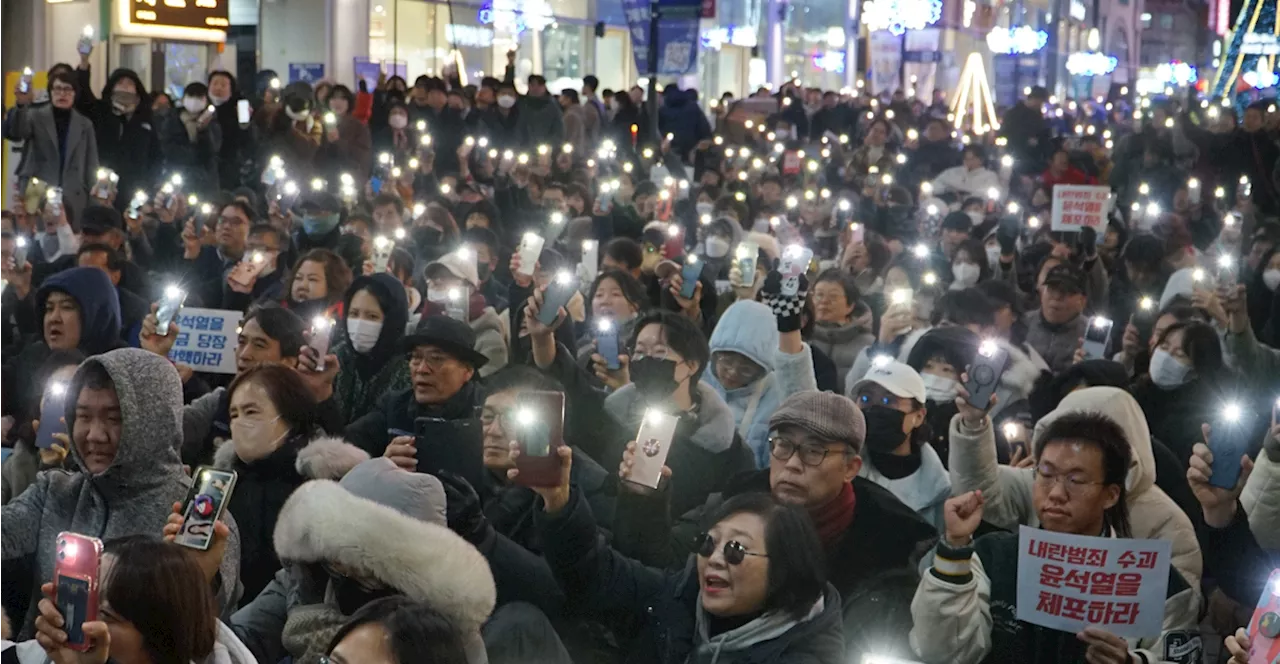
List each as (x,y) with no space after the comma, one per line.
(925,491)
(961,180)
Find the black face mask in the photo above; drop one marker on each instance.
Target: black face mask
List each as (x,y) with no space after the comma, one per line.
(884,428)
(654,378)
(425,237)
(350,595)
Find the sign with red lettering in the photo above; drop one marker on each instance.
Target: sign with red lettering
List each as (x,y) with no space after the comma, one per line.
(1079,206)
(1069,582)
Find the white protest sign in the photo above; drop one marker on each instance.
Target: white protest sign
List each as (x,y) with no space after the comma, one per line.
(207,339)
(1079,206)
(1069,582)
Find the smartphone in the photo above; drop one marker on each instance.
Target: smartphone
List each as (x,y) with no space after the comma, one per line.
(382,248)
(1146,311)
(607,343)
(102,187)
(24,83)
(54,194)
(84,46)
(457,304)
(689,275)
(168,309)
(243,111)
(985,372)
(451,445)
(590,261)
(530,251)
(321,332)
(247,270)
(555,225)
(674,245)
(1228,440)
(206,500)
(539,431)
(795,260)
(902,298)
(75,582)
(653,443)
(557,295)
(208,113)
(53,407)
(745,257)
(1264,627)
(19,252)
(859,232)
(34,194)
(607,191)
(1226,270)
(1096,336)
(375,185)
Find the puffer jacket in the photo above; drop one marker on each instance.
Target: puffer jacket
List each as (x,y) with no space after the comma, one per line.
(1261,497)
(1007,491)
(750,328)
(843,343)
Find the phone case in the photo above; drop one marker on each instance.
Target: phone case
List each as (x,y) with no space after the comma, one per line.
(793,265)
(1264,627)
(653,443)
(458,308)
(382,254)
(321,333)
(984,377)
(674,245)
(606,199)
(247,270)
(75,580)
(689,275)
(52,409)
(206,499)
(746,256)
(607,346)
(1228,441)
(166,312)
(1095,340)
(539,431)
(455,446)
(859,232)
(530,250)
(34,194)
(557,295)
(55,200)
(590,261)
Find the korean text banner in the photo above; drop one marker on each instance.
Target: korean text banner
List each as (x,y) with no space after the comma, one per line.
(207,340)
(1080,206)
(1069,582)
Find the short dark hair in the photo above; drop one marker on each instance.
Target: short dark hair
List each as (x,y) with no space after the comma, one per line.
(1116,455)
(401,261)
(115,260)
(590,81)
(645,188)
(415,631)
(282,238)
(160,589)
(280,324)
(248,211)
(965,307)
(389,199)
(797,570)
(680,334)
(1202,346)
(835,275)
(626,251)
(479,235)
(521,378)
(337,275)
(571,95)
(977,151)
(195,89)
(288,393)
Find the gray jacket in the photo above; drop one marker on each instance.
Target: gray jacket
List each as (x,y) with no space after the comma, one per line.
(1057,344)
(34,126)
(134,496)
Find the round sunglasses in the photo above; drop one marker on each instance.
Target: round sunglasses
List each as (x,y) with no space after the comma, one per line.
(734,553)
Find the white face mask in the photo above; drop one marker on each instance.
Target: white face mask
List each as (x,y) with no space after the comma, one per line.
(976,216)
(717,247)
(1167,372)
(939,389)
(194,104)
(613,104)
(255,439)
(437,294)
(1272,279)
(363,334)
(297,116)
(506,101)
(704,208)
(966,274)
(993,256)
(398,121)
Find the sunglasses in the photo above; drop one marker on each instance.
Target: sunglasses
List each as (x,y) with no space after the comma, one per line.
(734,552)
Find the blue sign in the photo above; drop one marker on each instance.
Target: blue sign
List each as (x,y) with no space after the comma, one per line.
(677,35)
(306,72)
(207,339)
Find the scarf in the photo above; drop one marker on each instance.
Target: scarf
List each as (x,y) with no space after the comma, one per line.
(834,518)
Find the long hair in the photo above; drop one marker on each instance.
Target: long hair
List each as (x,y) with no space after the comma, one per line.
(161,589)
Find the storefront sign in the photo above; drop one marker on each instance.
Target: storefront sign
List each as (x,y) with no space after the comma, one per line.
(678,37)
(468,36)
(207,340)
(717,37)
(1079,206)
(831,61)
(1069,582)
(202,14)
(306,72)
(1257,43)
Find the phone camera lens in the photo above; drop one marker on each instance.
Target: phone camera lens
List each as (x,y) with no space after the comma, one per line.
(62,555)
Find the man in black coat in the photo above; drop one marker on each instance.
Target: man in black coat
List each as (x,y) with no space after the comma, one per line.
(224,94)
(128,136)
(1028,133)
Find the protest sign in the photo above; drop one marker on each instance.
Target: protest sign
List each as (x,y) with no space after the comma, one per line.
(1079,206)
(1069,582)
(207,340)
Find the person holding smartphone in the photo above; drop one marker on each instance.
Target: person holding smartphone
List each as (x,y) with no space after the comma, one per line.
(59,142)
(225,96)
(375,313)
(19,470)
(456,274)
(191,140)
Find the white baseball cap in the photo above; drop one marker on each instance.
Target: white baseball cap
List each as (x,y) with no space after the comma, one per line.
(898,378)
(460,264)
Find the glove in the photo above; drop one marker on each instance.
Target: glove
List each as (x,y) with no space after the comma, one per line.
(463,510)
(1007,235)
(786,308)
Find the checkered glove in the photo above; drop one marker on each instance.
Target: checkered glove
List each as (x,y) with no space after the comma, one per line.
(786,308)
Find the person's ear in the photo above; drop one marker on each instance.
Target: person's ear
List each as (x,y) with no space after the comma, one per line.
(471,372)
(1110,496)
(852,466)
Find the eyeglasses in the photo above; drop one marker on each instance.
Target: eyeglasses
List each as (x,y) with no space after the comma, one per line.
(810,455)
(740,366)
(62,90)
(488,416)
(734,553)
(434,360)
(1074,485)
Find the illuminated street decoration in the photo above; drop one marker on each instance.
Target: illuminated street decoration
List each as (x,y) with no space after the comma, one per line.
(1022,40)
(1262,77)
(974,94)
(1091,64)
(898,16)
(1176,73)
(516,16)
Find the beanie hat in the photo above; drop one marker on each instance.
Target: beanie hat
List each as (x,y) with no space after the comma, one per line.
(826,415)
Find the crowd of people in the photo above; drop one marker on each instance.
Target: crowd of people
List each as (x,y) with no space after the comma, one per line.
(800,287)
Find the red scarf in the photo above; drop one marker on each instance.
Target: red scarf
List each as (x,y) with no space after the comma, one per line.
(834,518)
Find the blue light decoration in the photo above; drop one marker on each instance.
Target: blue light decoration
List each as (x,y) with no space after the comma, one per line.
(1262,77)
(898,16)
(1091,63)
(515,16)
(1176,73)
(829,61)
(1022,40)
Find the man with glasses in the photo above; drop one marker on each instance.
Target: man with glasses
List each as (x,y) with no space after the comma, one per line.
(1056,328)
(965,607)
(59,147)
(871,539)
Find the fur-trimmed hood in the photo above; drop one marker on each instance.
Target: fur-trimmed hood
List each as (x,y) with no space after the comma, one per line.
(324,458)
(330,522)
(715,426)
(1019,375)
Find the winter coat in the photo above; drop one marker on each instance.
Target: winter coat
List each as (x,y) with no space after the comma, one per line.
(604,581)
(206,425)
(966,183)
(843,343)
(233,152)
(581,128)
(227,649)
(925,490)
(352,153)
(492,340)
(539,121)
(680,116)
(128,145)
(1261,501)
(1028,136)
(134,496)
(965,614)
(1174,416)
(379,523)
(1057,344)
(749,328)
(1007,490)
(191,150)
(262,487)
(71,164)
(99,306)
(366,377)
(398,410)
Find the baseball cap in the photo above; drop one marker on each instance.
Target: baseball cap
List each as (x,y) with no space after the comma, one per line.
(898,378)
(1065,277)
(460,263)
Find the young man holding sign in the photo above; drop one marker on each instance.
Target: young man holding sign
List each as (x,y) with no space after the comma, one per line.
(973,605)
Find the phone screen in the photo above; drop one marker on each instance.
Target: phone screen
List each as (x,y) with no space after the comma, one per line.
(168,308)
(243,111)
(539,431)
(1096,337)
(607,344)
(455,446)
(746,256)
(1229,440)
(530,250)
(984,374)
(52,411)
(689,275)
(653,443)
(321,332)
(210,490)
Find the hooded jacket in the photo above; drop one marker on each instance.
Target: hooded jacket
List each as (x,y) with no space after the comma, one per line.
(749,328)
(843,343)
(134,496)
(128,145)
(1007,490)
(99,306)
(379,523)
(680,115)
(230,154)
(368,376)
(491,340)
(925,491)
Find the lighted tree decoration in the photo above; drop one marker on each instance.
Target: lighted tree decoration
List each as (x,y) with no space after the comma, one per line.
(973,96)
(1250,49)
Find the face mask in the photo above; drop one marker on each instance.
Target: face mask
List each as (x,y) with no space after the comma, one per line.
(654,378)
(123,102)
(193,104)
(1167,372)
(299,114)
(717,247)
(940,389)
(437,294)
(253,438)
(218,101)
(613,104)
(319,224)
(363,334)
(1272,279)
(426,236)
(976,216)
(884,428)
(993,256)
(966,274)
(506,101)
(398,121)
(704,208)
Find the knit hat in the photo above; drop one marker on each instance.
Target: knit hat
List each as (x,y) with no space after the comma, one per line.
(825,415)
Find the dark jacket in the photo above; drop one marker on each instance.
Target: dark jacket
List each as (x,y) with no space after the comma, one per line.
(192,153)
(603,580)
(232,154)
(681,116)
(447,133)
(352,153)
(133,308)
(366,377)
(398,410)
(512,509)
(540,121)
(1174,416)
(69,161)
(1028,136)
(99,306)
(127,144)
(502,130)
